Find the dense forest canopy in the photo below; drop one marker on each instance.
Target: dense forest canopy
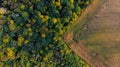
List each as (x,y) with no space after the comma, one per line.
(31,32)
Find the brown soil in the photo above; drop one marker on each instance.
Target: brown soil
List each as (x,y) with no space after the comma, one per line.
(68,37)
(84,53)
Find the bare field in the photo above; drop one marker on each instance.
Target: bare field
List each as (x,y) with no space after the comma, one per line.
(101,36)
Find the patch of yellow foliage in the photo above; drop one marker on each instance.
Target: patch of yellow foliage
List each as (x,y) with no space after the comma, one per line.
(54,20)
(6,38)
(43,35)
(11,25)
(20,40)
(71,1)
(57,3)
(2,10)
(10,53)
(26,42)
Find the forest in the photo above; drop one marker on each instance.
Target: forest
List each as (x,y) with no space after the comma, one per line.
(31,32)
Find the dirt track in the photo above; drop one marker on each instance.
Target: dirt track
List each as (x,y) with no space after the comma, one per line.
(99,41)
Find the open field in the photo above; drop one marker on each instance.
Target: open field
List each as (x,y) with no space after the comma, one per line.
(98,39)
